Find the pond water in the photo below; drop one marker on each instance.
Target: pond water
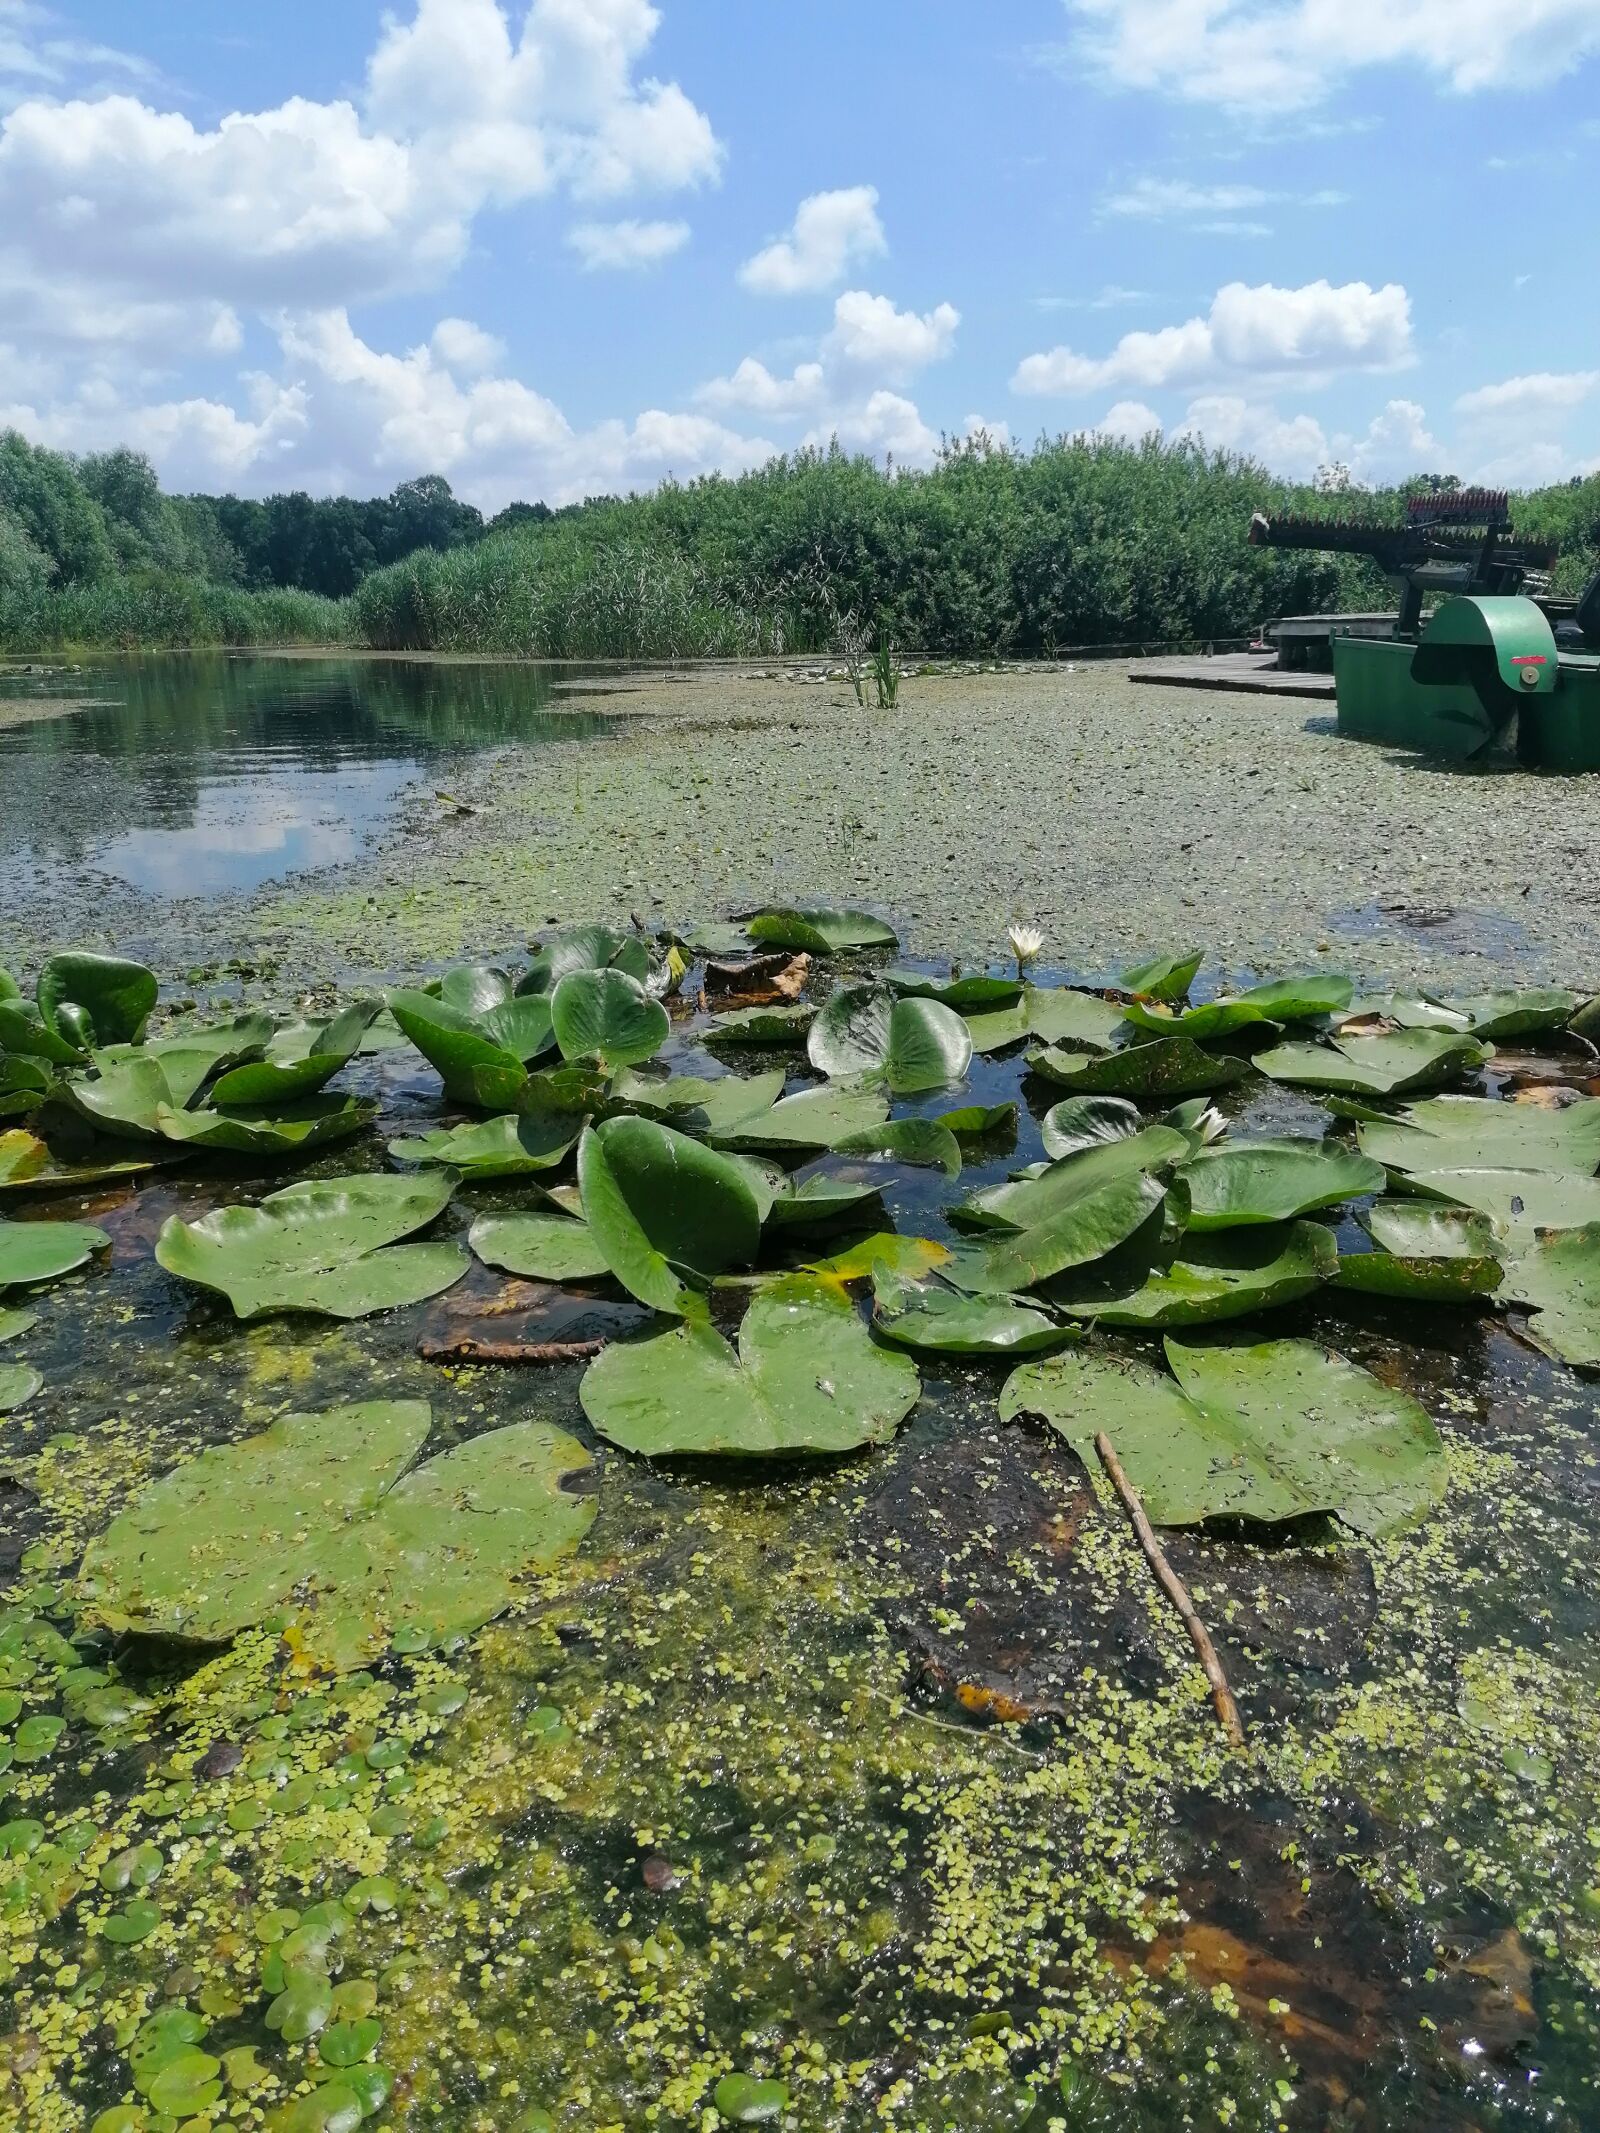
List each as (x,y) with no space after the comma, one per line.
(193,774)
(890,1775)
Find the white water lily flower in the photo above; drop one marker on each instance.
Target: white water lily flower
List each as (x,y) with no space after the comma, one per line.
(1026,941)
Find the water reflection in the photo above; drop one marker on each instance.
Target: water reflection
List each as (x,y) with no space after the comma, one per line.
(196,774)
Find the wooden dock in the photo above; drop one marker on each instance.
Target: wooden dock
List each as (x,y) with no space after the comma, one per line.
(1247,673)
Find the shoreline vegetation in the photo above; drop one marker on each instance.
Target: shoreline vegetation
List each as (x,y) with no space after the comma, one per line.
(1083,541)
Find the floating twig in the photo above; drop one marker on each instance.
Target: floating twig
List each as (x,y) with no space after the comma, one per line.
(465,1349)
(1177,1592)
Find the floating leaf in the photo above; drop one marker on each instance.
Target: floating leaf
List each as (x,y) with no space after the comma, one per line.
(806,1378)
(1167,1066)
(475,1067)
(966,995)
(886,1252)
(18,1384)
(980,1122)
(22,1157)
(1477,1132)
(1302,999)
(13,1324)
(24,1084)
(26,1165)
(606,1016)
(1559,1279)
(941,1321)
(1390,1065)
(1210,1020)
(1079,1122)
(321,1511)
(818,1201)
(1266,1431)
(662,1208)
(1426,1252)
(924,1143)
(1521,1201)
(1026,1202)
(1529,1013)
(301,1059)
(507,1147)
(1164,977)
(1272,1181)
(1425,1229)
(586,948)
(1091,1214)
(816,1118)
(540,1247)
(327,1245)
(761,1025)
(745,2101)
(34,1252)
(1079,1021)
(116,995)
(1208,1279)
(312,1122)
(817,929)
(696,1106)
(915,1044)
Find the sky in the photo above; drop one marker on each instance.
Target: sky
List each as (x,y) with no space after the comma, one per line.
(573,247)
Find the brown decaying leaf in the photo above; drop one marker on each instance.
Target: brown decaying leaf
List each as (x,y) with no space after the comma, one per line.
(469,1350)
(764,981)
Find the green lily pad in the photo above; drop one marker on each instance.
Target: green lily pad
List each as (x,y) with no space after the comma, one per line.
(184,2084)
(664,1209)
(761,1025)
(817,929)
(35,1252)
(292,1129)
(1273,1181)
(814,1119)
(1210,1020)
(1025,1202)
(515,1145)
(328,1512)
(136,1921)
(1267,1431)
(27,1165)
(1164,977)
(813,1203)
(1521,1202)
(915,1044)
(1425,1252)
(1208,1279)
(470,1054)
(1481,1132)
(1166,1066)
(941,1321)
(923,1143)
(1302,999)
(607,1017)
(540,1247)
(980,1122)
(1407,1010)
(969,995)
(1078,1021)
(806,1378)
(1529,1013)
(327,1245)
(24,1084)
(18,1384)
(1427,1229)
(22,1156)
(885,1252)
(1104,1208)
(1391,1065)
(585,948)
(1558,1277)
(116,995)
(300,1059)
(1079,1122)
(13,1324)
(700,1106)
(745,2101)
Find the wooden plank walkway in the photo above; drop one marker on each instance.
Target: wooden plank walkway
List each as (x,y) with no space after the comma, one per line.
(1250,673)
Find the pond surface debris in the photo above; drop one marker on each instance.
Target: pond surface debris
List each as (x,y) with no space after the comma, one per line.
(757,1708)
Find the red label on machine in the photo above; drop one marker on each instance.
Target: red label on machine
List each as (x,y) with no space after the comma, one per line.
(1528,659)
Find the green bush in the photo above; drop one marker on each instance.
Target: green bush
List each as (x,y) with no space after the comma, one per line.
(156,611)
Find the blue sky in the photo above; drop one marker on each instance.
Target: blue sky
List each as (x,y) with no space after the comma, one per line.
(575,246)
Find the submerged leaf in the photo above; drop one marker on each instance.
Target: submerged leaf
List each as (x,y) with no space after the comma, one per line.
(665,1210)
(806,1378)
(915,1044)
(326,1245)
(321,1510)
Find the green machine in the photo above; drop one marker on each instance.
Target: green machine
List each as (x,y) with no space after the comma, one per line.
(1499,667)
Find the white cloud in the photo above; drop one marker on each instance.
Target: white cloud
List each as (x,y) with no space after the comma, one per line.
(460,345)
(1130,420)
(1531,398)
(870,334)
(1271,56)
(1159,199)
(753,386)
(885,424)
(1263,331)
(830,233)
(1288,444)
(108,201)
(626,246)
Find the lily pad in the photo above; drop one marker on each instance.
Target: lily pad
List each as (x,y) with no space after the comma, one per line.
(1164,977)
(761,1025)
(300,1059)
(1529,1013)
(327,1245)
(290,1129)
(818,929)
(665,1210)
(924,1143)
(1079,1122)
(18,1384)
(1559,1279)
(980,1122)
(1522,1202)
(586,948)
(827,1117)
(969,995)
(744,2101)
(607,1017)
(1266,1431)
(1475,1132)
(1025,1202)
(1210,1020)
(13,1324)
(813,1203)
(475,1065)
(35,1252)
(540,1247)
(1166,1066)
(1391,1065)
(116,995)
(885,1252)
(1208,1279)
(1302,999)
(27,1165)
(915,1044)
(514,1146)
(1273,1181)
(941,1321)
(24,1084)
(702,1107)
(806,1378)
(321,1513)
(1426,1229)
(1425,1252)
(1104,1210)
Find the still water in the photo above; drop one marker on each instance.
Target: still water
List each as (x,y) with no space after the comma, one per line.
(199,773)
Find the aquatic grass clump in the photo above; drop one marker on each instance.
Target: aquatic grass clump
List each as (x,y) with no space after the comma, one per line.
(157,612)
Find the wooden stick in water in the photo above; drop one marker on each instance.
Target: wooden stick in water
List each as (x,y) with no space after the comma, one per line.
(1177,1592)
